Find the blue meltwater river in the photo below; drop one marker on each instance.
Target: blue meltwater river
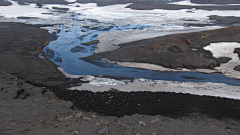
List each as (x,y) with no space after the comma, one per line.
(66,50)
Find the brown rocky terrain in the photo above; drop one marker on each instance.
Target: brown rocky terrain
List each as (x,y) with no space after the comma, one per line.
(174,51)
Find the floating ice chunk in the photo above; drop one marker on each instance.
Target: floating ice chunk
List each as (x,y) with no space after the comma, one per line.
(192,10)
(51,30)
(142,80)
(105,81)
(71,1)
(88,78)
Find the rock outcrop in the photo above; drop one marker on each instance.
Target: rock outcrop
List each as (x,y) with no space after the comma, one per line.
(174,51)
(237,68)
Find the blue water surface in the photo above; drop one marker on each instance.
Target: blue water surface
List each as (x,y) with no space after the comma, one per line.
(66,50)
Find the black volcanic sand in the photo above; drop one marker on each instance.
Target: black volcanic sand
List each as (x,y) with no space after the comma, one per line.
(27,109)
(151,103)
(155,5)
(174,51)
(237,51)
(5,3)
(216,1)
(237,68)
(35,109)
(20,46)
(225,21)
(39,2)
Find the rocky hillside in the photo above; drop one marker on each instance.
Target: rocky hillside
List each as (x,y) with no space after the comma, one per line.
(175,51)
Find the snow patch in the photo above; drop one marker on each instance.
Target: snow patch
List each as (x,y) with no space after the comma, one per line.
(147,66)
(226,49)
(88,78)
(67,74)
(105,81)
(15,10)
(109,41)
(206,88)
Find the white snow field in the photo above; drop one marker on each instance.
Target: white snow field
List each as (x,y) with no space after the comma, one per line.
(226,49)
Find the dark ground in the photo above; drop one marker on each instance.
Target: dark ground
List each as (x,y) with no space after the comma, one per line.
(20,57)
(28,109)
(156,5)
(174,51)
(141,4)
(151,103)
(20,45)
(216,1)
(5,3)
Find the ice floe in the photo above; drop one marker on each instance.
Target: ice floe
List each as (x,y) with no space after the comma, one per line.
(71,0)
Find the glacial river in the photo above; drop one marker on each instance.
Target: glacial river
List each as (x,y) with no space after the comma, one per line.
(66,49)
(78,23)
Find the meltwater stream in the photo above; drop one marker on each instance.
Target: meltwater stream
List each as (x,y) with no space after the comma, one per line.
(66,50)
